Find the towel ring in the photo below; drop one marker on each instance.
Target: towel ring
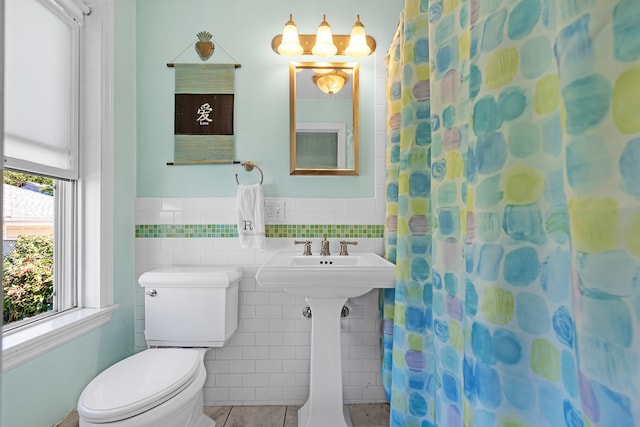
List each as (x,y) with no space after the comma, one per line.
(248,166)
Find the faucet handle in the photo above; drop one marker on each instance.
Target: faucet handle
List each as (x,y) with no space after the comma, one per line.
(307,246)
(324,247)
(343,247)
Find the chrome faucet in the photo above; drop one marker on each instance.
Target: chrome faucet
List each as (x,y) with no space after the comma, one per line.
(307,246)
(324,251)
(343,247)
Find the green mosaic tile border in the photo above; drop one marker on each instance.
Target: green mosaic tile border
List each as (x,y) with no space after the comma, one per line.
(297,231)
(186,230)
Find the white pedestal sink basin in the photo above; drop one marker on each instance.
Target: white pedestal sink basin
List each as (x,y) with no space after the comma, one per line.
(326,282)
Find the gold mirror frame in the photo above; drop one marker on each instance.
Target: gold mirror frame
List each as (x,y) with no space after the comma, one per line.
(352,69)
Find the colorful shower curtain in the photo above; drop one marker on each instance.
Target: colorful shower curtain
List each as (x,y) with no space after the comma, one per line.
(513,214)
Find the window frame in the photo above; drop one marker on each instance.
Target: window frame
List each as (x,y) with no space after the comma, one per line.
(94,196)
(65,281)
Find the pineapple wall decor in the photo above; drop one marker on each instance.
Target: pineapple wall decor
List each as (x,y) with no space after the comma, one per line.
(204,45)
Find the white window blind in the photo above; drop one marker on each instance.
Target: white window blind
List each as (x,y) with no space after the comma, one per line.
(41,89)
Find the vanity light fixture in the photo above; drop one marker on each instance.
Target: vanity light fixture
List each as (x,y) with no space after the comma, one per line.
(323,44)
(290,45)
(331,82)
(358,41)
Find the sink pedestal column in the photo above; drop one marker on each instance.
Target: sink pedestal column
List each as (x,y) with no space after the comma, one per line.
(325,406)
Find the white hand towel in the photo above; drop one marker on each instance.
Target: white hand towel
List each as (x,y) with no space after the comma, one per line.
(250,204)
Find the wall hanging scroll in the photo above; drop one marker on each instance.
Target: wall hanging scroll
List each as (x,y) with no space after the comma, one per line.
(204,100)
(204,104)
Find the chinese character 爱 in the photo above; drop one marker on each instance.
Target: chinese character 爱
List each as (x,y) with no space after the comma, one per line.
(204,111)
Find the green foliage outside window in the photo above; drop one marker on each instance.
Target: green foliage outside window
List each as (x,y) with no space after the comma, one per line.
(28,278)
(19,179)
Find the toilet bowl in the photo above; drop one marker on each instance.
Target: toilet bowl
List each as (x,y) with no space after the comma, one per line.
(188,310)
(156,387)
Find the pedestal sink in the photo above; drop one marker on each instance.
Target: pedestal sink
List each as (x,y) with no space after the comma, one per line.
(326,282)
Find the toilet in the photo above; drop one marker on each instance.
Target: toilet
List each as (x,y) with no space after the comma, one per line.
(188,310)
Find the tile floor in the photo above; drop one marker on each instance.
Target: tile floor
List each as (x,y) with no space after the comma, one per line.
(362,415)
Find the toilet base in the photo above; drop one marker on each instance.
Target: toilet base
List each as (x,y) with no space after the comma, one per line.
(185,410)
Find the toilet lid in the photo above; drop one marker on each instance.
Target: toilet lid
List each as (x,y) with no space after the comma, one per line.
(138,383)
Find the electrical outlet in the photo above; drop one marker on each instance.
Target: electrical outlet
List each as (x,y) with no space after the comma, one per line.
(273,211)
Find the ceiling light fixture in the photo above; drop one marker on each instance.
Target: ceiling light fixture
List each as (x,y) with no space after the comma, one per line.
(323,44)
(331,82)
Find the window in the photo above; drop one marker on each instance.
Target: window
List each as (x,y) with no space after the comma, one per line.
(321,145)
(58,124)
(36,246)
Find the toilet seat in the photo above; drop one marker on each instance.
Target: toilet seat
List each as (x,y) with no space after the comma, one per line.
(139,383)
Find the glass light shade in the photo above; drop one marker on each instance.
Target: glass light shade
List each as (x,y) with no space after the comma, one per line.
(324,46)
(358,41)
(332,82)
(290,45)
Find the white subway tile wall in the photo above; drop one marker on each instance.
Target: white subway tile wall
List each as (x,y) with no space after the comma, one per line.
(267,359)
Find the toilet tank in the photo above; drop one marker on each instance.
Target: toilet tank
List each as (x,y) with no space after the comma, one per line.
(190,306)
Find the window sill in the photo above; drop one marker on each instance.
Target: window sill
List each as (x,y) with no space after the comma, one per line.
(30,342)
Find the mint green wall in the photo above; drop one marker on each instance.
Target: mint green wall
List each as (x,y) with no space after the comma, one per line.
(167,28)
(338,110)
(41,392)
(149,34)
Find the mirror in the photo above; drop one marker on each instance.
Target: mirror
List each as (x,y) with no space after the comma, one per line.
(323,111)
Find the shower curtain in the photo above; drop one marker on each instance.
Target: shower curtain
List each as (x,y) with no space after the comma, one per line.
(513,214)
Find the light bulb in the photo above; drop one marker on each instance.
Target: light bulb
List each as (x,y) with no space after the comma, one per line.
(290,45)
(324,46)
(358,41)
